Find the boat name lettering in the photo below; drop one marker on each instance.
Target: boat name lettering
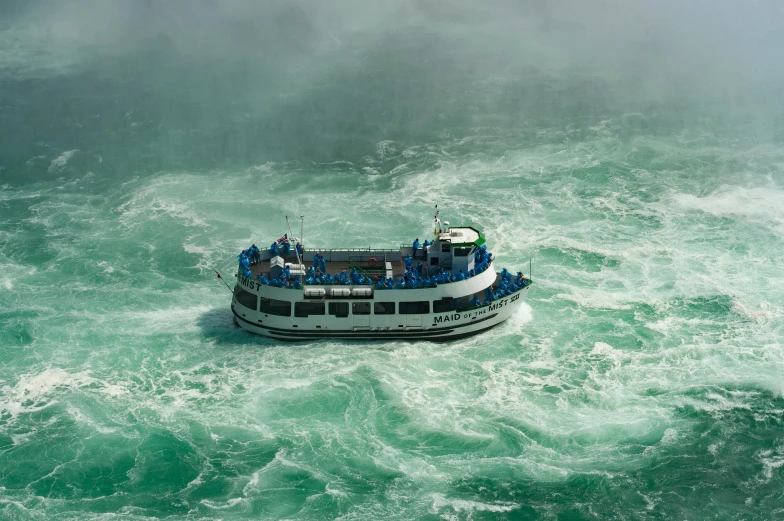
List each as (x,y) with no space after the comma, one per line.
(476,313)
(445,318)
(247,282)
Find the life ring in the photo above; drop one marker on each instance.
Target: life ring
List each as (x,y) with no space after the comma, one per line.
(372,261)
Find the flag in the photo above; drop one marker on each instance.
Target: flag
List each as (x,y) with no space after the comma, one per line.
(284,239)
(218,274)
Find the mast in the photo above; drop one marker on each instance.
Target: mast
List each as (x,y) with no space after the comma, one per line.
(299,261)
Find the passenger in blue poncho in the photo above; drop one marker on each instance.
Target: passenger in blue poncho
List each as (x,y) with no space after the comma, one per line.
(415,246)
(424,248)
(474,301)
(489,294)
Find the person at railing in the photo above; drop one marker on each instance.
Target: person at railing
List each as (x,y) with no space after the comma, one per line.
(244,264)
(317,258)
(408,261)
(424,247)
(415,246)
(474,302)
(273,249)
(299,250)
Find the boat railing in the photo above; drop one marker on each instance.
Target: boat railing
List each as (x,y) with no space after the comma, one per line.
(351,250)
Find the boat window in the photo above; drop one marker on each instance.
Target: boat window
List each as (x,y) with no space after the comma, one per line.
(304,309)
(360,308)
(443,305)
(339,309)
(445,248)
(434,261)
(244,298)
(414,308)
(461,252)
(461,303)
(384,308)
(282,308)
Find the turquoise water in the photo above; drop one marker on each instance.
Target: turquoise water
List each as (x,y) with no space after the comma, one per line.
(641,380)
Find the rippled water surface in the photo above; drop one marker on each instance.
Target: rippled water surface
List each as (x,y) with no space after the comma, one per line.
(641,380)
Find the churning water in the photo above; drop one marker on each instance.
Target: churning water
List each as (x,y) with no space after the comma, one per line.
(143,145)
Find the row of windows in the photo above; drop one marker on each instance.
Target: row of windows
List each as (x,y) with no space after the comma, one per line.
(340,309)
(270,306)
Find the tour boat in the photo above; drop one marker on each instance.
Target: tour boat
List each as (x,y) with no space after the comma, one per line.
(438,291)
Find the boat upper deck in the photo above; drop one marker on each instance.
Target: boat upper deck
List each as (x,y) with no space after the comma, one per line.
(335,268)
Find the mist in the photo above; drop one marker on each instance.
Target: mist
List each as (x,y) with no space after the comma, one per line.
(208,84)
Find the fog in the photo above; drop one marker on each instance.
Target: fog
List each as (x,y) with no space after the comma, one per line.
(201,82)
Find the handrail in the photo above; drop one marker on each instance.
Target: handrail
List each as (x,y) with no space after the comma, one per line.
(368,249)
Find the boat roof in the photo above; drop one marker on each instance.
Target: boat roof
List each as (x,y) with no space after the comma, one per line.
(462,236)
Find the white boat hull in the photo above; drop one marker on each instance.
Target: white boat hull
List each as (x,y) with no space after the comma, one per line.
(434,327)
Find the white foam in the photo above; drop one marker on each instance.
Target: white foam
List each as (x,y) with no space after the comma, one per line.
(771,460)
(736,200)
(215,505)
(440,501)
(668,324)
(595,299)
(59,163)
(763,205)
(34,392)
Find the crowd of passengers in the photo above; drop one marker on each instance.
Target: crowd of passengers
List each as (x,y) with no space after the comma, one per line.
(415,276)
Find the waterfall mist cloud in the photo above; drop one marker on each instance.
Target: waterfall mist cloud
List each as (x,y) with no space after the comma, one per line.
(667,42)
(289,78)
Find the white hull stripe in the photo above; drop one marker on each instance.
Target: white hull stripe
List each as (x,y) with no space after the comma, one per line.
(362,332)
(390,335)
